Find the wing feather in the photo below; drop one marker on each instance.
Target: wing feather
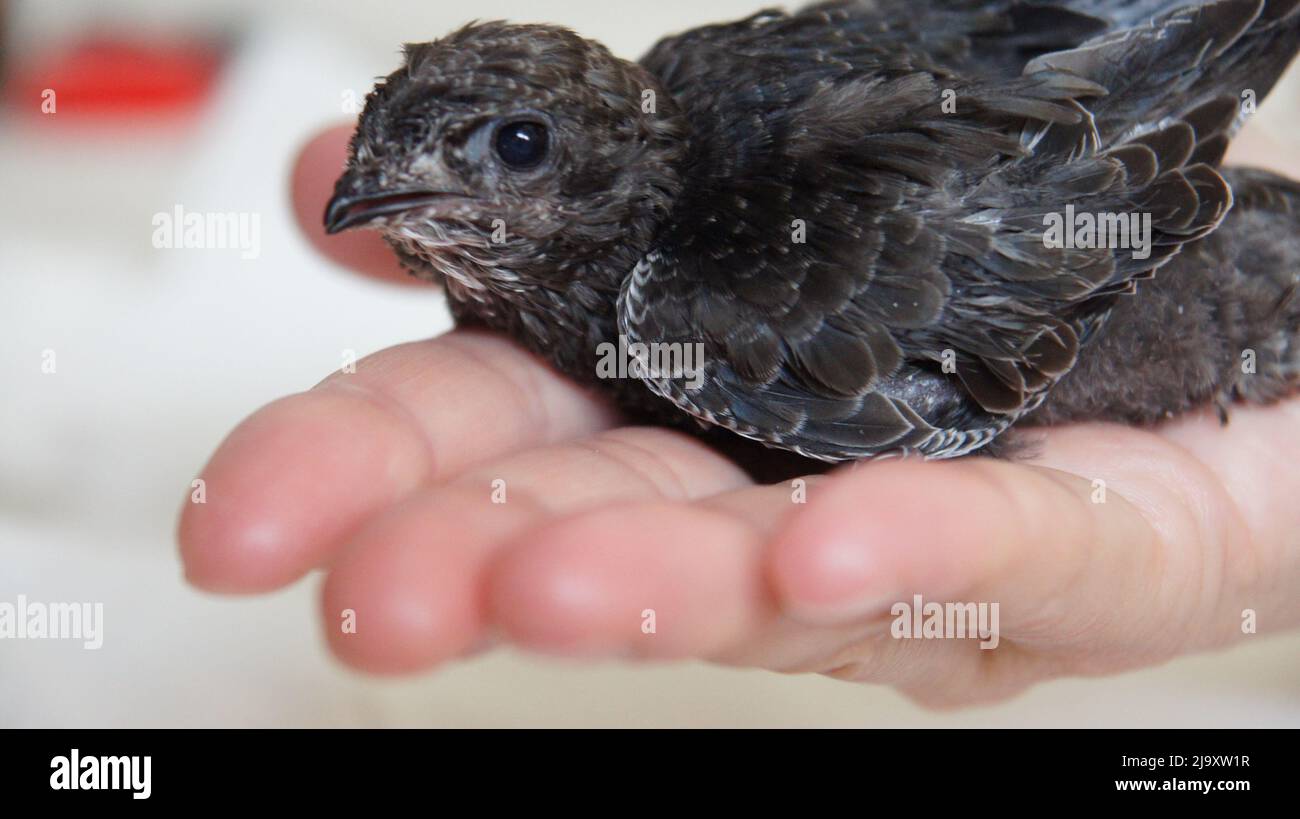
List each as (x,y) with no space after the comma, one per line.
(869,273)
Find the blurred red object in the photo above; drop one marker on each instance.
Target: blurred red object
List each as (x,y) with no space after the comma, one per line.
(114,78)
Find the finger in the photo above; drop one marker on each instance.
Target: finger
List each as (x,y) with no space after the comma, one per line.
(1114,549)
(1047,545)
(1110,558)
(663,580)
(292,482)
(1028,538)
(415,578)
(1254,457)
(655,580)
(315,169)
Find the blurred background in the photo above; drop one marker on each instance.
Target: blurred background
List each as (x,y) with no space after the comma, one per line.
(158,353)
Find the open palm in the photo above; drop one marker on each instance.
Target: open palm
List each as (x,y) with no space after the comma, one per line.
(459,492)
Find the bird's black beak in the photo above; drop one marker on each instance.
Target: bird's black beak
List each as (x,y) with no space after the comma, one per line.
(347,210)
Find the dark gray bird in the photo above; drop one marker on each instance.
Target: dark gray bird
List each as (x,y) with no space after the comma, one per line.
(872,216)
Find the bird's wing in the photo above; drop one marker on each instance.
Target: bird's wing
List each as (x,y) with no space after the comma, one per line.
(921,308)
(1182,59)
(985,38)
(1233,297)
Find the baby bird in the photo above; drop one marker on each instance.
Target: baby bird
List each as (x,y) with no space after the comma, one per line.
(885,226)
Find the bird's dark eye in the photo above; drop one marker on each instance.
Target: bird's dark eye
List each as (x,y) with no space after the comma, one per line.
(522,145)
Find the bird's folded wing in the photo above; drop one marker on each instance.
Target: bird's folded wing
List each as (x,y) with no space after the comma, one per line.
(886,283)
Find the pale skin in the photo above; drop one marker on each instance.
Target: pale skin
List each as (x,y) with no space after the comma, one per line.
(384,480)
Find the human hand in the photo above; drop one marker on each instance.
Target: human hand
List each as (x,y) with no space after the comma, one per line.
(386,479)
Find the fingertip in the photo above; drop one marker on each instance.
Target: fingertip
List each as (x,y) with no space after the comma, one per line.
(548,594)
(832,580)
(315,169)
(658,581)
(404,596)
(287,486)
(867,539)
(408,592)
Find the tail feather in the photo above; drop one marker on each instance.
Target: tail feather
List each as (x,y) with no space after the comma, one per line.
(1234,298)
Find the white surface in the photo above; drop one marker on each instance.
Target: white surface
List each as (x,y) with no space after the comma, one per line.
(160,353)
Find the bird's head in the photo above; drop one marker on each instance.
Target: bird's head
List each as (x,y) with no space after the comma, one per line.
(503,152)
